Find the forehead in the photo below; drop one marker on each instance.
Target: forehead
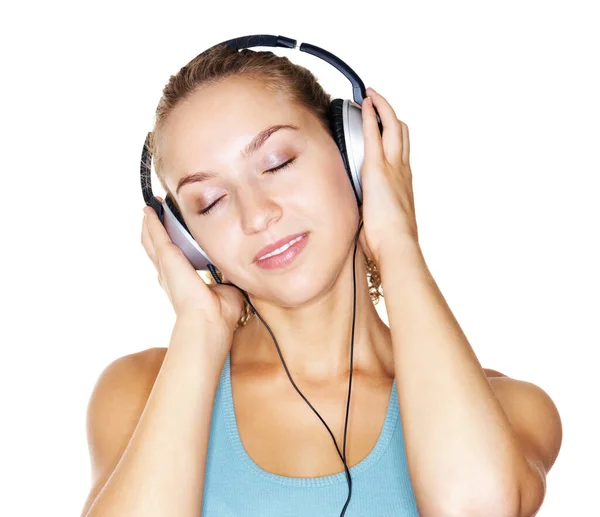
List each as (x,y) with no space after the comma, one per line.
(217,121)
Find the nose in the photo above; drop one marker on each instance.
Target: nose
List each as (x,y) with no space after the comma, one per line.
(258,209)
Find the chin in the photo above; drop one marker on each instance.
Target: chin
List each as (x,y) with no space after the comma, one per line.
(303,287)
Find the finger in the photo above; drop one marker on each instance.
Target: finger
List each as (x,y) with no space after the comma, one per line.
(147,242)
(405,144)
(169,257)
(149,247)
(154,255)
(158,234)
(371,134)
(392,127)
(158,241)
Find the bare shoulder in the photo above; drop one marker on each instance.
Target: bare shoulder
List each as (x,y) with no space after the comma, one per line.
(150,360)
(124,385)
(121,391)
(114,408)
(135,372)
(536,421)
(493,373)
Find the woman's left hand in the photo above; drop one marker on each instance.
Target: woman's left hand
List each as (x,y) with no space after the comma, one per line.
(388,209)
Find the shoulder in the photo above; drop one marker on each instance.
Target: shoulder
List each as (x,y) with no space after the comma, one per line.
(533,415)
(138,368)
(114,408)
(493,373)
(132,375)
(119,396)
(148,361)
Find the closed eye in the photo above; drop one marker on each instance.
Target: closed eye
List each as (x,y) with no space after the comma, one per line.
(270,171)
(282,166)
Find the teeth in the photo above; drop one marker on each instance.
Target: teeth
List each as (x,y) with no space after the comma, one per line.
(282,249)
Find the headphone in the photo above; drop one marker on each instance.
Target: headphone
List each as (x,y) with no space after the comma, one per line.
(345,121)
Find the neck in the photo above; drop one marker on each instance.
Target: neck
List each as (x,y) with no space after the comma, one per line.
(315,338)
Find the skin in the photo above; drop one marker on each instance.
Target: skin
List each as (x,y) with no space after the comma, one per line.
(313,195)
(511,427)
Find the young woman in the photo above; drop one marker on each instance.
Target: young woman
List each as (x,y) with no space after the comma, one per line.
(212,424)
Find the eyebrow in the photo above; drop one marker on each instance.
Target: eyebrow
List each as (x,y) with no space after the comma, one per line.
(254,145)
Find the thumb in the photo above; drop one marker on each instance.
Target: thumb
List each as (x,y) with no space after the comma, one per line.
(371,134)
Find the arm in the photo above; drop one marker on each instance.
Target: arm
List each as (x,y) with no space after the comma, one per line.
(470,450)
(154,466)
(535,420)
(464,457)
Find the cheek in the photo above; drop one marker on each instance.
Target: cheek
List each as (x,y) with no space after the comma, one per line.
(221,245)
(333,202)
(340,186)
(342,207)
(336,172)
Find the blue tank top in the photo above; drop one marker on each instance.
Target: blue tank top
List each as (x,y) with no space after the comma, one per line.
(235,486)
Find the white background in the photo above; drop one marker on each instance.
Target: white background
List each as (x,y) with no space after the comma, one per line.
(502,104)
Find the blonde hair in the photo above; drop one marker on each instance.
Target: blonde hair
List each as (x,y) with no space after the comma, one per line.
(279,76)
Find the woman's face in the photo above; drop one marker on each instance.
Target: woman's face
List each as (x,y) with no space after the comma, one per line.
(209,133)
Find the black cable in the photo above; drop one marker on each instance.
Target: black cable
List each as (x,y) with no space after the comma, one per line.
(342,456)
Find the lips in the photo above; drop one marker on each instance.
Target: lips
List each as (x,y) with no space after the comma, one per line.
(275,245)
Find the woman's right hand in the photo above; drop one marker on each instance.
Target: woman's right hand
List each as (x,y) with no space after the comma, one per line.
(221,305)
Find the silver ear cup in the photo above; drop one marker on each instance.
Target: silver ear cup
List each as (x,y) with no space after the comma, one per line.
(355,143)
(184,241)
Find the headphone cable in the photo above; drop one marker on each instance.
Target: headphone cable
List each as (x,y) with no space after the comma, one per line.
(342,456)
